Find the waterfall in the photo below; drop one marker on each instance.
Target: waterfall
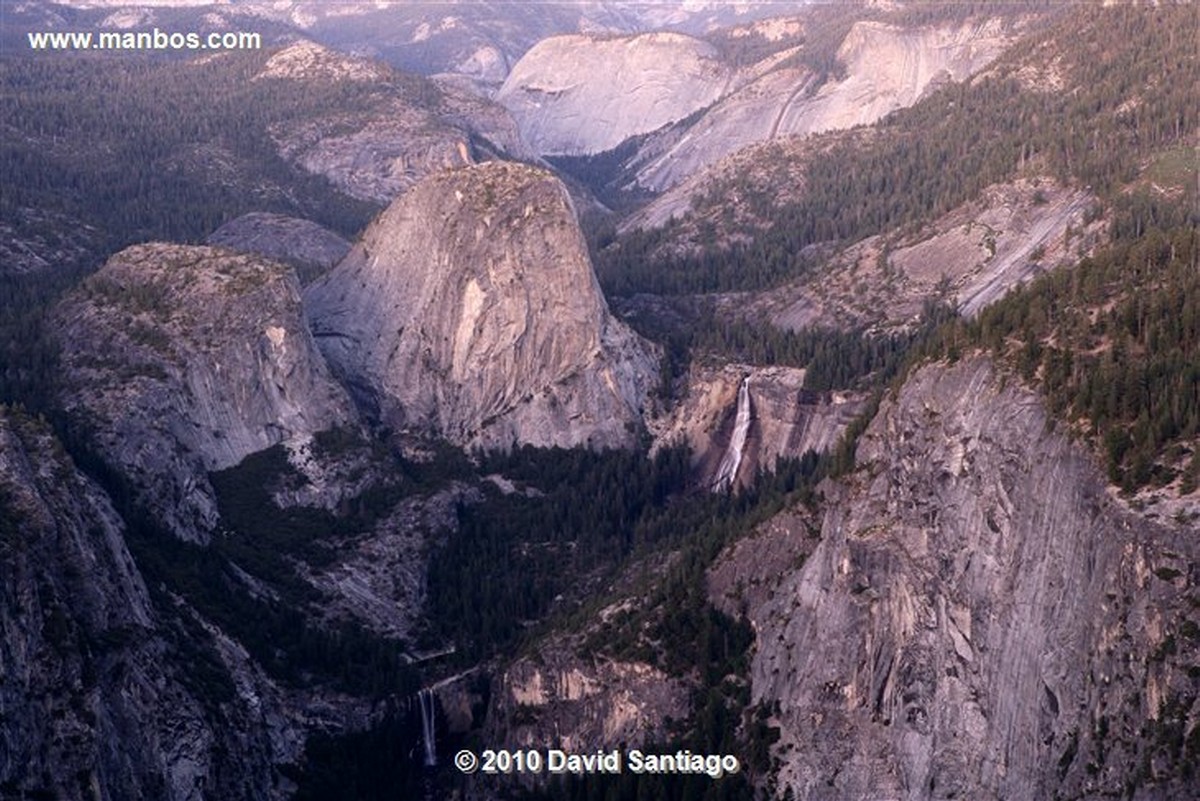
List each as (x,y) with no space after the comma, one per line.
(428,735)
(728,468)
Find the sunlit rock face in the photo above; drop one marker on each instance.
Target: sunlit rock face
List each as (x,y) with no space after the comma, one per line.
(573,95)
(583,703)
(179,360)
(884,68)
(889,67)
(470,310)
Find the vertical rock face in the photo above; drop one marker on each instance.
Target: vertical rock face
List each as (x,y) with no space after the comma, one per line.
(182,360)
(94,706)
(470,310)
(786,420)
(980,619)
(582,704)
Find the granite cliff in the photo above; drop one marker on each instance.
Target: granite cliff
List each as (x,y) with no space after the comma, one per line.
(785,420)
(980,618)
(180,360)
(582,702)
(104,696)
(470,309)
(574,95)
(884,67)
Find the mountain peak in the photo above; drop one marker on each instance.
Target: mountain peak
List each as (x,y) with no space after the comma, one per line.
(470,310)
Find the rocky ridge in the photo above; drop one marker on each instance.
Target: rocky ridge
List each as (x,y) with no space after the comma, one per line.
(886,67)
(776,169)
(411,127)
(180,360)
(889,67)
(381,155)
(306,60)
(470,309)
(378,579)
(768,118)
(746,116)
(968,258)
(41,241)
(310,248)
(883,67)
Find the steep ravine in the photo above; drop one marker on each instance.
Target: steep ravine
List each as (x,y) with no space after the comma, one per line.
(980,618)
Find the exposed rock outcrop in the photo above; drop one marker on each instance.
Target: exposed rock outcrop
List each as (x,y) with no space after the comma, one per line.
(715,199)
(575,95)
(474,39)
(577,703)
(786,420)
(470,310)
(99,701)
(181,360)
(377,155)
(747,116)
(885,68)
(307,60)
(889,67)
(407,128)
(969,258)
(379,578)
(37,240)
(748,574)
(310,248)
(980,619)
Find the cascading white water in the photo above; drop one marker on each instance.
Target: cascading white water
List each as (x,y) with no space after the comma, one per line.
(428,734)
(732,460)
